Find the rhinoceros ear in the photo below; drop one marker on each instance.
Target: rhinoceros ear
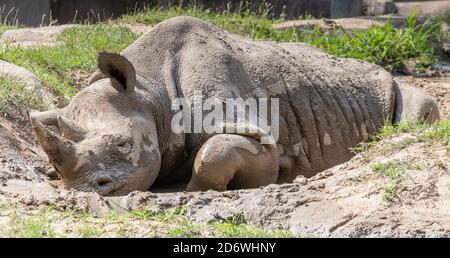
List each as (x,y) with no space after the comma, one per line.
(118,67)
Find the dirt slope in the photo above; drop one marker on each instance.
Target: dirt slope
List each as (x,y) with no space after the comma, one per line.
(351,200)
(399,187)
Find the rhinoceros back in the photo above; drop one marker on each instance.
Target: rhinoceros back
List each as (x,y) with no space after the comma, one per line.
(334,103)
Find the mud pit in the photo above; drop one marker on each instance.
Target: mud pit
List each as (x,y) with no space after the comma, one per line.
(349,200)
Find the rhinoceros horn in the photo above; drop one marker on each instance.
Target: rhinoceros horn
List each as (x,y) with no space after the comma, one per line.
(70,130)
(46,117)
(61,152)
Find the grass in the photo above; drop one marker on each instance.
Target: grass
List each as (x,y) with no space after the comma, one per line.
(184,227)
(53,64)
(30,226)
(89,231)
(14,93)
(438,131)
(390,191)
(49,221)
(384,45)
(393,170)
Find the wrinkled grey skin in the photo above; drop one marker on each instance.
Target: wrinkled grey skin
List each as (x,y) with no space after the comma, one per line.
(115,135)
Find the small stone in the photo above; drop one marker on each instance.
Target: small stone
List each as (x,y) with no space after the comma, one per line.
(301,180)
(317,186)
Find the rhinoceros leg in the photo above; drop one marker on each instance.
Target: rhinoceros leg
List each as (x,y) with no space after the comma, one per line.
(413,104)
(233,161)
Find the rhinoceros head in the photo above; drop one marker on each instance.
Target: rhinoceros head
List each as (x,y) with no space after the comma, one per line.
(106,137)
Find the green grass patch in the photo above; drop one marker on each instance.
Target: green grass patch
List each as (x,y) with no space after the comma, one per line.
(50,221)
(38,226)
(384,45)
(52,64)
(88,230)
(83,43)
(393,170)
(390,191)
(438,131)
(14,93)
(185,227)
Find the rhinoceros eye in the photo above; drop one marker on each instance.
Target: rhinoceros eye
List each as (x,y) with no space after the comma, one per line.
(124,145)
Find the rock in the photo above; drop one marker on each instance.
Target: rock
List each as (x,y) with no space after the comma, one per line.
(52,174)
(32,37)
(446,47)
(348,24)
(137,28)
(416,68)
(301,180)
(32,82)
(423,8)
(410,67)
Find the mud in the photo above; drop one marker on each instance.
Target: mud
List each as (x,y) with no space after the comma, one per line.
(345,201)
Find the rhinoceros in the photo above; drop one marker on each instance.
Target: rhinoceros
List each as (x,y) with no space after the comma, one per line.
(116,135)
